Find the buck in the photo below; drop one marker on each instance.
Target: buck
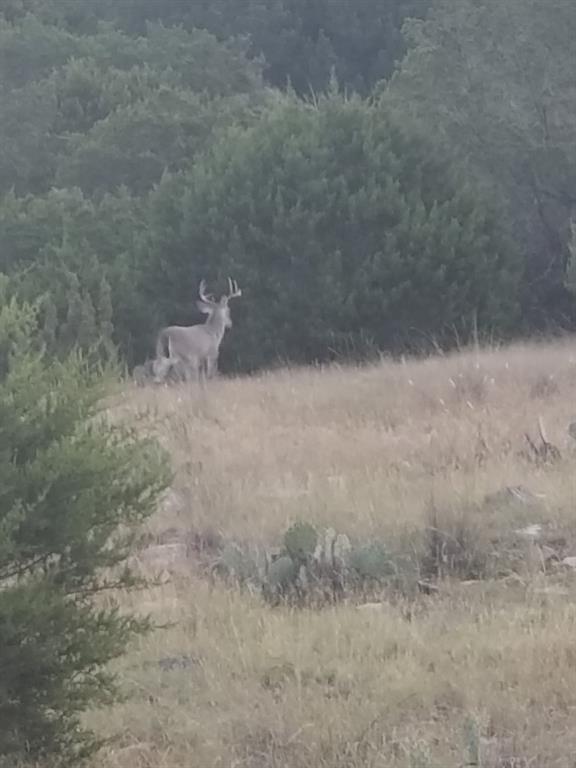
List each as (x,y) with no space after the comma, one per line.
(196,347)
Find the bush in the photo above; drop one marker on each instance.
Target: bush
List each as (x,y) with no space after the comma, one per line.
(72,489)
(345,230)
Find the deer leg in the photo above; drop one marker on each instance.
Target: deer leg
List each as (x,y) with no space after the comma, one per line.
(211,367)
(202,372)
(191,370)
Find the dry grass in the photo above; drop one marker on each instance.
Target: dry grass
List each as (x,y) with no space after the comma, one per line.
(487,667)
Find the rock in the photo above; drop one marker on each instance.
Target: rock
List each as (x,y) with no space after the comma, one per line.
(515,494)
(173,502)
(514,579)
(569,562)
(428,589)
(572,430)
(551,590)
(370,607)
(169,663)
(171,536)
(530,531)
(163,556)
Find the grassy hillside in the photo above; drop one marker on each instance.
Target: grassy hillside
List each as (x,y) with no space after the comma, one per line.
(482,671)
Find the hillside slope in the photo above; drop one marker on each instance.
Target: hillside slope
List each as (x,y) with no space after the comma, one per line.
(483,669)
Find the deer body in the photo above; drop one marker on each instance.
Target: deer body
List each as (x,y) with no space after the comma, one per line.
(197,346)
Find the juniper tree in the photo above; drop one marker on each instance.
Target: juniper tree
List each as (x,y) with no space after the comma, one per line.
(73,489)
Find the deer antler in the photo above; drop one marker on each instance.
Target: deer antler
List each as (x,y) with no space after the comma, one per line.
(206,298)
(233,290)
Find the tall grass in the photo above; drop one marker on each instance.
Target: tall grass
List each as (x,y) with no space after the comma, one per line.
(479,672)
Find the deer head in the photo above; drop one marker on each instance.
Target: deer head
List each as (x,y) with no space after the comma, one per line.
(218,309)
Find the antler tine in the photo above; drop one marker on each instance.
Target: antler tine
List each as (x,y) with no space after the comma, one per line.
(202,292)
(233,290)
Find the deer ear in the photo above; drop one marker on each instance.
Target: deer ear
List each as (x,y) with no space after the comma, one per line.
(203,307)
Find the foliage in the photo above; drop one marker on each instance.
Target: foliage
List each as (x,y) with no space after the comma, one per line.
(76,256)
(90,122)
(72,489)
(106,109)
(342,225)
(311,568)
(495,81)
(300,42)
(140,151)
(372,562)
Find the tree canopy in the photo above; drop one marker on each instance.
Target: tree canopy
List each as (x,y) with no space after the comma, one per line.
(114,117)
(344,227)
(495,82)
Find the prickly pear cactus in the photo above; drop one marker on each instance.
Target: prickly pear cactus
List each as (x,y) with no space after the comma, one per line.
(372,562)
(342,551)
(300,541)
(319,569)
(282,572)
(280,580)
(328,547)
(237,564)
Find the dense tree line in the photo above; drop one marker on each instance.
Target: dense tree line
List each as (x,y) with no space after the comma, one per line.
(377,175)
(349,233)
(494,81)
(300,41)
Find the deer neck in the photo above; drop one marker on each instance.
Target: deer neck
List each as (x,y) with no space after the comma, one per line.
(216,326)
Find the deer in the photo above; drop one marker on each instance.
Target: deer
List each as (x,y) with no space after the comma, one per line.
(197,346)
